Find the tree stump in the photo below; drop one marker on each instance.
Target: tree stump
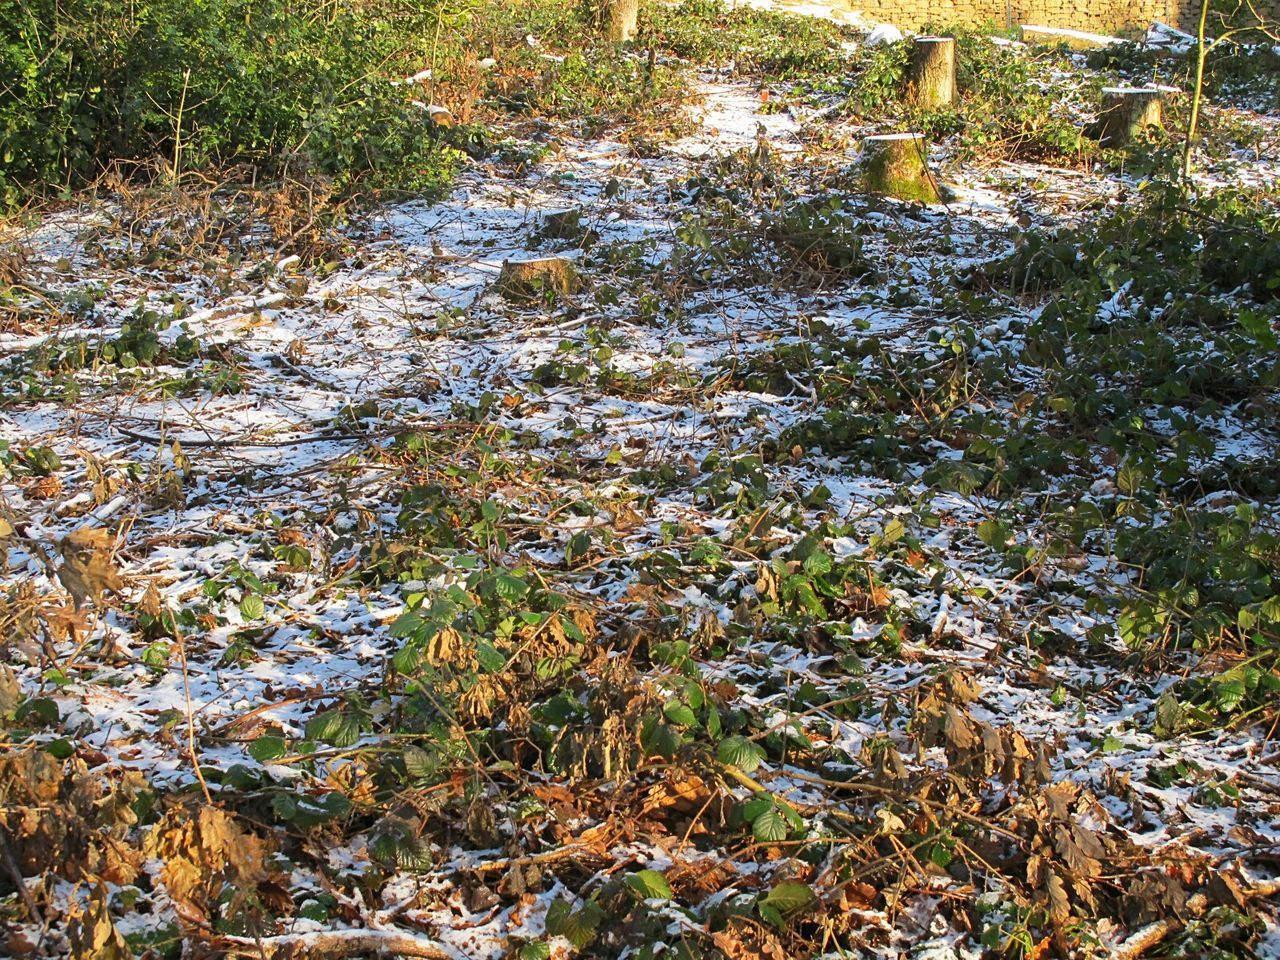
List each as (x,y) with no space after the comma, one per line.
(1126,113)
(931,74)
(620,18)
(894,165)
(530,280)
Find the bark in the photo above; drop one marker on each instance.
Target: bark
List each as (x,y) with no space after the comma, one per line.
(1127,112)
(895,165)
(620,18)
(931,75)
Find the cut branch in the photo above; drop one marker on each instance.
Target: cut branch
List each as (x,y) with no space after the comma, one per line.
(336,944)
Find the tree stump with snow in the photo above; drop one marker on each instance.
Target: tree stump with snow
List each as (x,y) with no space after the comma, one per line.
(1126,113)
(931,73)
(543,278)
(619,18)
(895,165)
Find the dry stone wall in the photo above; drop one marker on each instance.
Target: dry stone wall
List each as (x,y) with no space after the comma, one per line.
(1120,17)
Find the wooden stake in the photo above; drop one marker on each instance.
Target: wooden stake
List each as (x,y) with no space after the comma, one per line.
(931,74)
(894,165)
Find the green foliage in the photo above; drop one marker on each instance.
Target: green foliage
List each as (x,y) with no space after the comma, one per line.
(763,44)
(197,82)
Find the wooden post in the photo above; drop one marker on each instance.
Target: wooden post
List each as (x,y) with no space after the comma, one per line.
(894,164)
(931,75)
(1126,113)
(620,18)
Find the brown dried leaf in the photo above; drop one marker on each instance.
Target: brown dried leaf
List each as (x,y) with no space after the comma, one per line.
(92,934)
(1058,904)
(1073,844)
(203,853)
(88,569)
(959,728)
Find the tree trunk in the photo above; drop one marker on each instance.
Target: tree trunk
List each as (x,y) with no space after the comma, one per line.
(931,75)
(895,165)
(620,17)
(1127,112)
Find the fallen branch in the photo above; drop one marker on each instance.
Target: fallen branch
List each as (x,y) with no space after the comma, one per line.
(1156,931)
(338,944)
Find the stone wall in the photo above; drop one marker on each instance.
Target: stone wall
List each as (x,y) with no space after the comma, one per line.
(1121,17)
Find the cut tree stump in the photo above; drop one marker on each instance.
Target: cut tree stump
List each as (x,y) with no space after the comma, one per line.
(620,18)
(1126,113)
(931,74)
(894,164)
(537,279)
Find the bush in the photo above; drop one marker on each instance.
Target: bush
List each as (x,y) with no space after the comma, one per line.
(199,82)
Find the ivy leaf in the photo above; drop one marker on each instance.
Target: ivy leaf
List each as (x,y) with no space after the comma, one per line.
(649,885)
(740,752)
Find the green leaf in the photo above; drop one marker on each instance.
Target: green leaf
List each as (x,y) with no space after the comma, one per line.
(713,720)
(509,588)
(1130,478)
(406,625)
(818,563)
(577,926)
(789,895)
(535,950)
(681,714)
(993,533)
(1170,716)
(1229,695)
(740,752)
(894,531)
(771,915)
(267,748)
(252,607)
(490,657)
(323,726)
(649,885)
(770,826)
(418,763)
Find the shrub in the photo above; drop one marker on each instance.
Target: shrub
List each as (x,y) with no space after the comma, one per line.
(196,82)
